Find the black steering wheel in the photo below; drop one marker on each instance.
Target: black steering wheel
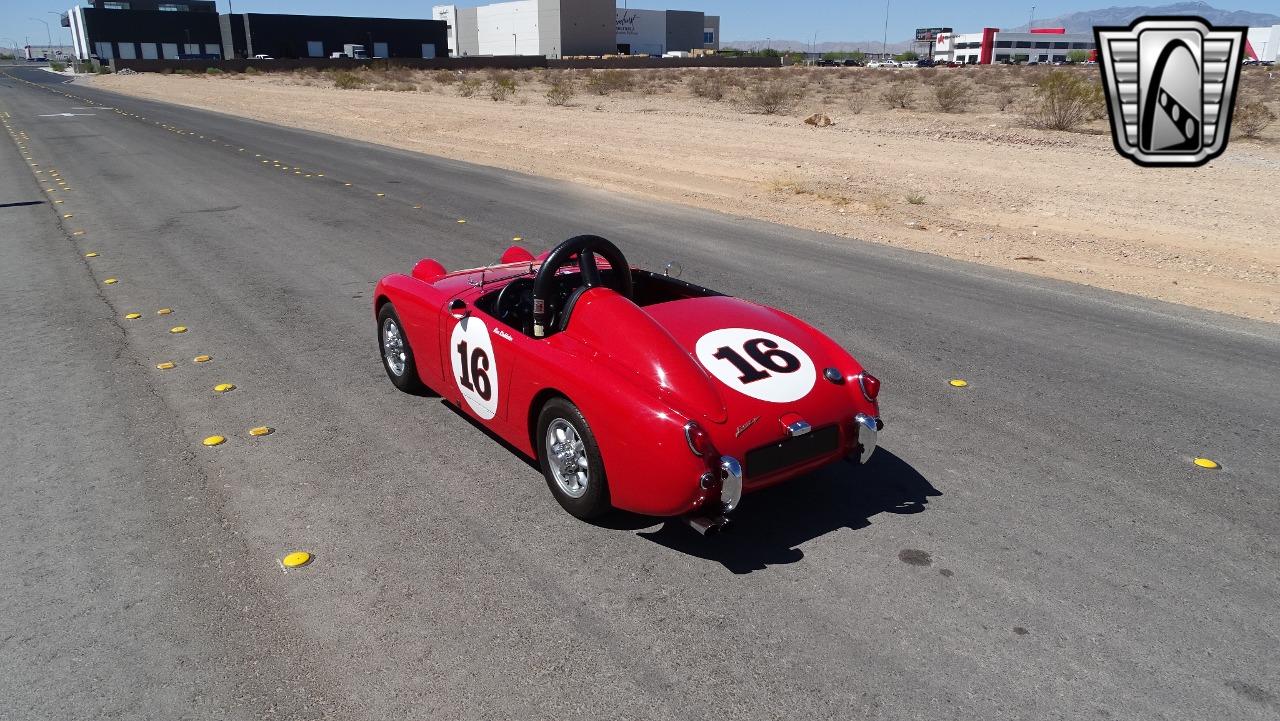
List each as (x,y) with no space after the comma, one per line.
(585,247)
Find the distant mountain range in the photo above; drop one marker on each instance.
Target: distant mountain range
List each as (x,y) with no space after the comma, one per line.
(1083,22)
(1077,22)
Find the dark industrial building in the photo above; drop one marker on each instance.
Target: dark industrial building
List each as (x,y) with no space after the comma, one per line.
(154,30)
(145,29)
(319,36)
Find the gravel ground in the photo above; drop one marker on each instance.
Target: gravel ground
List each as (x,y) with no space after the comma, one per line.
(976,185)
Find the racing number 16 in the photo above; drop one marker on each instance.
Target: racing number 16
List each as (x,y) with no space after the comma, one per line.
(773,359)
(475,371)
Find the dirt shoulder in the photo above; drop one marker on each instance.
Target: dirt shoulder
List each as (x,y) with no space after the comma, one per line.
(975,186)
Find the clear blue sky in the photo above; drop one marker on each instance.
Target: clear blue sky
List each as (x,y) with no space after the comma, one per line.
(833,20)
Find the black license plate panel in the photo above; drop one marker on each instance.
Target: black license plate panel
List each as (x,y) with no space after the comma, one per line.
(792,451)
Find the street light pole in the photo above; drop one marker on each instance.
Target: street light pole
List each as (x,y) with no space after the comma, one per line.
(884,43)
(1032,22)
(48,34)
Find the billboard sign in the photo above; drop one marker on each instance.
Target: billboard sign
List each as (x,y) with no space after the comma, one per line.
(928,35)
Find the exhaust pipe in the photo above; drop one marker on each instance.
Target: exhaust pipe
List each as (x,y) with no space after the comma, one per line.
(707,525)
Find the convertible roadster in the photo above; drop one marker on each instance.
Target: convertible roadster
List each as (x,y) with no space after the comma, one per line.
(633,389)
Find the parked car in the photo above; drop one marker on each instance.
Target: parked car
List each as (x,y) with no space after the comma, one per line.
(263,57)
(632,389)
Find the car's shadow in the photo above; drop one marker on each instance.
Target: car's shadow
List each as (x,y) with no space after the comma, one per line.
(770,525)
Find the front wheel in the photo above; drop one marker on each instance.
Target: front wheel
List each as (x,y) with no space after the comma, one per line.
(397,356)
(570,460)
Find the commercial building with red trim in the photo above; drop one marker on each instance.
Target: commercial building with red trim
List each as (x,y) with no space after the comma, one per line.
(993,45)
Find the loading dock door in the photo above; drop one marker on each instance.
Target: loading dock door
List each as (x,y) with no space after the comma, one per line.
(315,49)
(380,50)
(428,50)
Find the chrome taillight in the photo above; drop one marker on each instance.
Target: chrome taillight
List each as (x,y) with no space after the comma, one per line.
(870,386)
(699,441)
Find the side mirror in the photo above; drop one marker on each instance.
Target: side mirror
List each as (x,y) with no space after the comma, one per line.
(672,269)
(458,308)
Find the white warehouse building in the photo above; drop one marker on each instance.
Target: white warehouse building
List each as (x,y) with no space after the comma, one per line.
(559,28)
(553,28)
(993,45)
(1263,44)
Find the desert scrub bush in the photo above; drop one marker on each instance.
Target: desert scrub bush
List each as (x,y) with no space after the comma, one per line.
(1065,101)
(857,102)
(444,77)
(252,71)
(560,89)
(1252,116)
(712,85)
(900,94)
(502,85)
(1004,99)
(915,199)
(213,71)
(469,85)
(771,97)
(347,80)
(57,67)
(396,87)
(603,82)
(951,95)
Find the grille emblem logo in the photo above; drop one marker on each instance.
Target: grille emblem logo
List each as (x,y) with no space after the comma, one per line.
(1170,84)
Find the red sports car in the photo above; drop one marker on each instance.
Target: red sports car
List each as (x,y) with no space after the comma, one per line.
(633,389)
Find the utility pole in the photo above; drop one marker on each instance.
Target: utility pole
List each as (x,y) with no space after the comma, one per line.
(884,43)
(1032,22)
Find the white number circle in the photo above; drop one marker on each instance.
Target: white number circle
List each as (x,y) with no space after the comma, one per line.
(474,368)
(758,364)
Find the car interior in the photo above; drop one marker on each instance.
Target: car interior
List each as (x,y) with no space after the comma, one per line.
(513,303)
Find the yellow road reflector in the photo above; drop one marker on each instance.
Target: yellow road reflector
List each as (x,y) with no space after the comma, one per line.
(1206,463)
(164,311)
(178,329)
(201,359)
(261,431)
(132,316)
(319,175)
(958,383)
(67,215)
(297,172)
(517,239)
(59,202)
(224,387)
(460,220)
(347,184)
(91,254)
(417,206)
(381,195)
(77,232)
(308,175)
(297,559)
(214,441)
(110,281)
(167,365)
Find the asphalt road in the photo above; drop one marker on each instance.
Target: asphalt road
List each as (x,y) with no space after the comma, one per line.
(1036,545)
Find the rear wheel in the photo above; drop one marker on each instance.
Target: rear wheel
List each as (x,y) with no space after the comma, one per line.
(570,460)
(397,356)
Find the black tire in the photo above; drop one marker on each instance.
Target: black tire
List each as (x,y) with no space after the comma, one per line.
(407,379)
(594,499)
